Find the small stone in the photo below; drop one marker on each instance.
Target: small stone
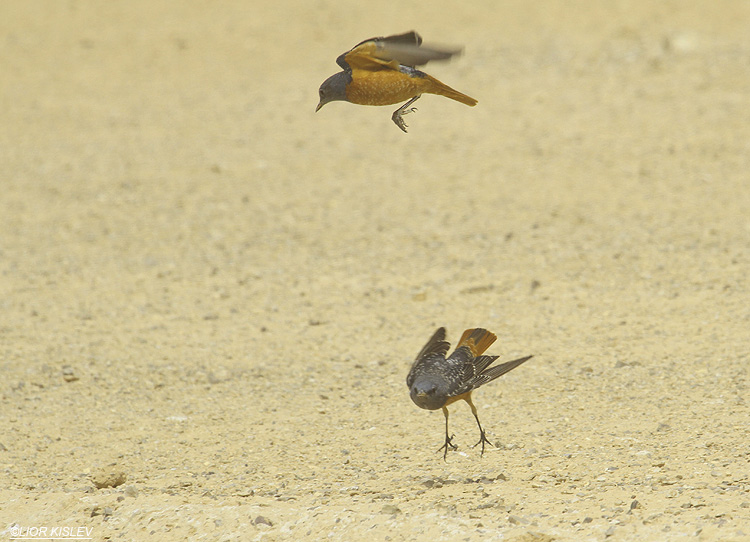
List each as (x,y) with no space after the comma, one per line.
(131,491)
(69,374)
(108,477)
(262,520)
(101,511)
(390,509)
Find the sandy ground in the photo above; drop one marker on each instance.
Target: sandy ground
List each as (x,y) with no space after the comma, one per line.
(210,296)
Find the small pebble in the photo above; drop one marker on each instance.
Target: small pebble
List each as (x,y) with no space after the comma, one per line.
(262,520)
(108,477)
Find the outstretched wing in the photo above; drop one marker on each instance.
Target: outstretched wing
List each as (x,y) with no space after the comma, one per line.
(499,370)
(392,51)
(482,375)
(436,346)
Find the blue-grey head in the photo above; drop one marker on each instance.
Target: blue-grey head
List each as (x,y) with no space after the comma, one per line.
(333,88)
(429,392)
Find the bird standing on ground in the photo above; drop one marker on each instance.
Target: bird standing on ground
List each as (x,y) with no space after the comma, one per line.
(435,381)
(381,71)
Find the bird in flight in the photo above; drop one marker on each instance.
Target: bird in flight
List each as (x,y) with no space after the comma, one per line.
(382,71)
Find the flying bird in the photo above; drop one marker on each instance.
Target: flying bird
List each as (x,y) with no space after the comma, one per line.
(382,71)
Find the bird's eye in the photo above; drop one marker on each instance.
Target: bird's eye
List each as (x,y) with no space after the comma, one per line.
(428,391)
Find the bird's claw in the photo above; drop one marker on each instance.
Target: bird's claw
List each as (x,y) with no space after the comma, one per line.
(399,120)
(448,445)
(483,440)
(403,110)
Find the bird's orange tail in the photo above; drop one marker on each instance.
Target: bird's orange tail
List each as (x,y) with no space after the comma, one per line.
(442,89)
(477,340)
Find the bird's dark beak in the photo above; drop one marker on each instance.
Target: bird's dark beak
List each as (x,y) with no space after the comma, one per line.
(320,104)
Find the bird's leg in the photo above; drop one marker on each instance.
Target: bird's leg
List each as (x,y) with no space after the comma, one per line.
(482,437)
(403,110)
(448,439)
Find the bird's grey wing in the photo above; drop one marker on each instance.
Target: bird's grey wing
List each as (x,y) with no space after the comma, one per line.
(407,50)
(479,374)
(436,346)
(492,373)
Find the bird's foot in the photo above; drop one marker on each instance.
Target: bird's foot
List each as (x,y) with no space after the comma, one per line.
(404,110)
(483,440)
(448,444)
(399,120)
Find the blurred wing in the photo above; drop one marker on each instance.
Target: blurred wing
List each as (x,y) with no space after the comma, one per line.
(391,51)
(413,55)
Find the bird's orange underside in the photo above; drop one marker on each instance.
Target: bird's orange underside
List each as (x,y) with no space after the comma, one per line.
(385,87)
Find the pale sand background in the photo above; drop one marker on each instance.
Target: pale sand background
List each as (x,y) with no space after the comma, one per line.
(239,285)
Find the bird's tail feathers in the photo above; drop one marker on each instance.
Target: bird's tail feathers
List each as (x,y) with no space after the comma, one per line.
(477,340)
(444,90)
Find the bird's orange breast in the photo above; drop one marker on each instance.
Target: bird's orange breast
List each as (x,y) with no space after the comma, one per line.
(383,87)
